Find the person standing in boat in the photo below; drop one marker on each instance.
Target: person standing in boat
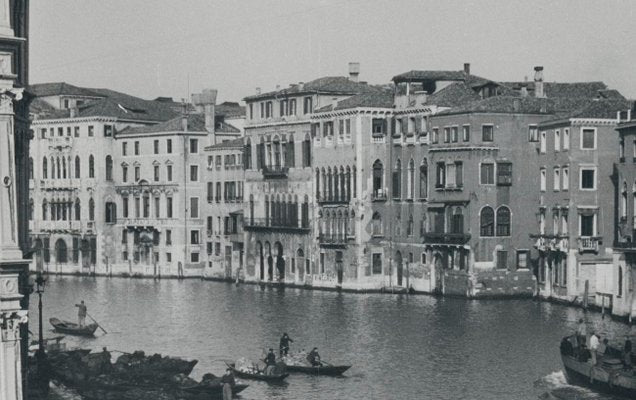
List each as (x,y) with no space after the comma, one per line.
(284,345)
(314,358)
(627,354)
(594,344)
(228,382)
(270,362)
(81,313)
(581,333)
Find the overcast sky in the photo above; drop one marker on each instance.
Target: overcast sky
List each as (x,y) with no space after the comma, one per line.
(172,48)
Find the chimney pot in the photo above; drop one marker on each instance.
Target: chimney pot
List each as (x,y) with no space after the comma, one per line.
(538,82)
(258,90)
(354,71)
(467,68)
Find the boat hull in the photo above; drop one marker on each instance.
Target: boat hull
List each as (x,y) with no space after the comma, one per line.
(327,370)
(599,379)
(71,328)
(258,377)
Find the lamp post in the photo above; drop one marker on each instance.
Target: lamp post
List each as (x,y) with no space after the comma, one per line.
(42,364)
(40,282)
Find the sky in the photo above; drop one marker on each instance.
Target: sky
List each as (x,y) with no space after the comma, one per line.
(152,48)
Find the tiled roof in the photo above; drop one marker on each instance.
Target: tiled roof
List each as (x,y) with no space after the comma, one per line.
(380,98)
(228,144)
(60,89)
(506,104)
(417,75)
(590,90)
(328,84)
(229,109)
(196,123)
(453,95)
(604,109)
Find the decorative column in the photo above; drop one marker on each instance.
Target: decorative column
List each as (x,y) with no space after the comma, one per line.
(11,316)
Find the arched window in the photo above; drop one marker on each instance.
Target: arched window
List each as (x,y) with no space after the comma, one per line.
(30,209)
(63,167)
(52,168)
(77,167)
(45,209)
(251,209)
(623,207)
(61,253)
(290,153)
(329,184)
(91,210)
(323,176)
(91,166)
(409,228)
(397,180)
(343,185)
(247,154)
(307,151)
(267,218)
(58,171)
(317,184)
(487,222)
(45,168)
(620,281)
(305,213)
(31,168)
(348,184)
(378,179)
(503,221)
(424,179)
(78,210)
(109,168)
(376,222)
(411,180)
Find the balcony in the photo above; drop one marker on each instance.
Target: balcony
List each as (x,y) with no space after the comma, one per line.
(332,240)
(332,200)
(589,244)
(555,242)
(379,195)
(446,238)
(275,171)
(266,224)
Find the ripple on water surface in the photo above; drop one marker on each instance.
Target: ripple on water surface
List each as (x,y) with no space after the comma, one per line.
(401,347)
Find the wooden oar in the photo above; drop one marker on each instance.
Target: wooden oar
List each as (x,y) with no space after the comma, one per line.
(100,327)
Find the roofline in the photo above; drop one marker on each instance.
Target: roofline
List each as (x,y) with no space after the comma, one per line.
(160,133)
(95,117)
(280,93)
(451,112)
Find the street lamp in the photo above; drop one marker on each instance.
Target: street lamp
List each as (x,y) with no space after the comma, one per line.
(42,363)
(40,283)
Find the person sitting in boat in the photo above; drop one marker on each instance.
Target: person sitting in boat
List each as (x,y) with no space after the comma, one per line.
(627,354)
(270,362)
(81,313)
(228,382)
(284,344)
(594,345)
(314,358)
(581,332)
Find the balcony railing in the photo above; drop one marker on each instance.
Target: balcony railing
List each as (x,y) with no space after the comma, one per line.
(555,242)
(332,239)
(446,238)
(589,244)
(265,224)
(333,200)
(275,171)
(379,195)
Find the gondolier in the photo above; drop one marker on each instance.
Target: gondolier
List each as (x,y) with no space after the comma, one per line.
(81,313)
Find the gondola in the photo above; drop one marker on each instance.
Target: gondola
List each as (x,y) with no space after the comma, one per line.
(212,391)
(327,370)
(72,328)
(259,376)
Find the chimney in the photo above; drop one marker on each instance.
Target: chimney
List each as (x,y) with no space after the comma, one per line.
(301,85)
(467,68)
(354,71)
(206,100)
(538,82)
(524,89)
(184,123)
(258,90)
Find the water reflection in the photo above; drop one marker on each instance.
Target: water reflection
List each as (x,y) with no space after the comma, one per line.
(400,346)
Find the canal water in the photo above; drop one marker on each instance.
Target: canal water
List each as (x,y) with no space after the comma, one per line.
(401,347)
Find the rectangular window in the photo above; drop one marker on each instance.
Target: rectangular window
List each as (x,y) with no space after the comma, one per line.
(522,259)
(441,175)
(157,205)
(168,237)
(557,179)
(466,133)
(194,257)
(543,179)
(504,174)
(194,146)
(156,173)
(194,173)
(446,135)
(168,257)
(378,126)
(168,146)
(194,207)
(169,173)
(533,133)
(586,224)
(168,207)
(487,175)
(588,179)
(487,133)
(251,111)
(557,140)
(502,259)
(454,134)
(566,178)
(194,237)
(542,145)
(566,139)
(137,207)
(124,174)
(108,130)
(136,148)
(124,236)
(91,131)
(435,135)
(155,146)
(124,148)
(459,173)
(588,138)
(377,263)
(125,206)
(307,105)
(217,249)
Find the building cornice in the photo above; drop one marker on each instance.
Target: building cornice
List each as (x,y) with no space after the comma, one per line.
(464,148)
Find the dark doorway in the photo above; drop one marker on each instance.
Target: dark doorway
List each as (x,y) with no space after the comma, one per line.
(398,262)
(339,266)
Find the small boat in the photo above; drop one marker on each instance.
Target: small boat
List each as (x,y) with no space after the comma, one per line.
(608,375)
(328,370)
(212,391)
(257,376)
(72,328)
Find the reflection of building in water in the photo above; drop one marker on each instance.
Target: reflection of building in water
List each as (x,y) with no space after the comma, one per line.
(14,169)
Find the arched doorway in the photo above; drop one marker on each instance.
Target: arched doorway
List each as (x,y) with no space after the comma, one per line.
(280,261)
(339,266)
(398,263)
(270,261)
(439,271)
(61,253)
(261,260)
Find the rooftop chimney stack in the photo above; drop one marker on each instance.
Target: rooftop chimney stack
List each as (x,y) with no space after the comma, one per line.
(524,89)
(258,90)
(207,100)
(354,71)
(467,68)
(538,82)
